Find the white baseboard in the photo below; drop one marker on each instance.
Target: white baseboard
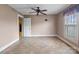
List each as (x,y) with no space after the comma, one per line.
(42,35)
(6,46)
(70,44)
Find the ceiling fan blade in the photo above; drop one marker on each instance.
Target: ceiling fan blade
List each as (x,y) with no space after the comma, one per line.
(44,10)
(43,13)
(33,9)
(32,12)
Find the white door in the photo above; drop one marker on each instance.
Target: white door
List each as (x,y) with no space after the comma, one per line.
(27,27)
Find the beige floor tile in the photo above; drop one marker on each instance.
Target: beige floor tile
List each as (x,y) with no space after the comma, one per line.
(39,45)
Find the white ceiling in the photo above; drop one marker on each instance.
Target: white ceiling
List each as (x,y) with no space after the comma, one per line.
(25,9)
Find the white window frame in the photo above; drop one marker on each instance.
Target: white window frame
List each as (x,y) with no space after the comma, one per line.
(65,34)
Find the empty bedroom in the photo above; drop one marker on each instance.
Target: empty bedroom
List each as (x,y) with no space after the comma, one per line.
(39,28)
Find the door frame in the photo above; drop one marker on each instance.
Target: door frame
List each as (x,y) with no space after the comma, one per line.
(18,22)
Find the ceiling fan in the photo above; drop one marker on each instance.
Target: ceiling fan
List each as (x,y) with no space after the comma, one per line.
(38,10)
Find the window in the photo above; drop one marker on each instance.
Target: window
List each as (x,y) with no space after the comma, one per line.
(70,25)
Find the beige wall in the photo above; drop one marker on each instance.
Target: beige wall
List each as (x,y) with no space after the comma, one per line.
(41,27)
(8,25)
(60,25)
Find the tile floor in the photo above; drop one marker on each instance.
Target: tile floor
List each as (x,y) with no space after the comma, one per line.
(39,45)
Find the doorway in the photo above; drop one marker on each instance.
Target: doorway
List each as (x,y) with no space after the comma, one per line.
(20,27)
(27,27)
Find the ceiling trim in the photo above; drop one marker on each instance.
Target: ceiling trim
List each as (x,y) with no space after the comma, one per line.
(65,8)
(15,10)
